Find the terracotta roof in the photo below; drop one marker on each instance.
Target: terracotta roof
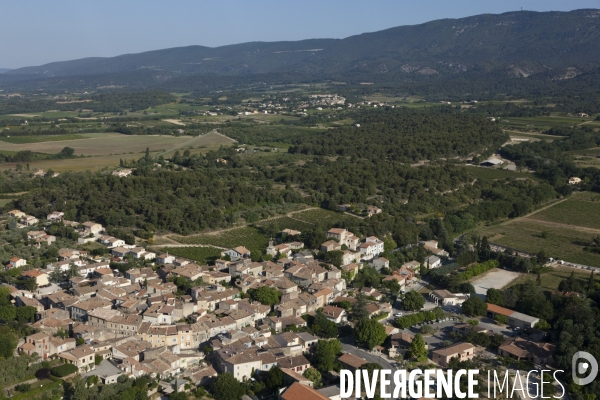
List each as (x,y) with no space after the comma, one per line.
(499,310)
(454,349)
(241,250)
(352,360)
(27,346)
(33,273)
(301,392)
(332,311)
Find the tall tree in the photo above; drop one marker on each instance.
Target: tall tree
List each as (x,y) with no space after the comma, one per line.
(359,308)
(274,378)
(325,354)
(369,333)
(417,349)
(413,301)
(226,387)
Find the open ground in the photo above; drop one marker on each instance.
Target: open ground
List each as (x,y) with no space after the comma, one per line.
(550,280)
(496,278)
(563,230)
(106,149)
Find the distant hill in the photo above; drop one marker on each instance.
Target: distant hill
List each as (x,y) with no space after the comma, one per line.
(550,45)
(3,70)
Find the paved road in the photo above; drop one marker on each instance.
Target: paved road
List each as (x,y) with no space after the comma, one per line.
(348,347)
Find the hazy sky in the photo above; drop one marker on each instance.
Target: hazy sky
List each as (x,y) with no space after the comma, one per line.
(35,32)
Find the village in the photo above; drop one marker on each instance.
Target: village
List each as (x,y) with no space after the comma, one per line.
(184,324)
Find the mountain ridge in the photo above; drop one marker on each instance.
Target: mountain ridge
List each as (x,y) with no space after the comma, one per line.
(552,45)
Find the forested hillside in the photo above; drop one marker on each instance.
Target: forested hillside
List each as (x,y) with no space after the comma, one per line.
(407,136)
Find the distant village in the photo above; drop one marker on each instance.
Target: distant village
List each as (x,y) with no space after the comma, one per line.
(140,322)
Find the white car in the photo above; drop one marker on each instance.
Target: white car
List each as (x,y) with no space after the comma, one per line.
(398,314)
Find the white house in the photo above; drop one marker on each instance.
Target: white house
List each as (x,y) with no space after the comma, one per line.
(236,253)
(92,227)
(55,216)
(16,262)
(433,262)
(165,259)
(371,248)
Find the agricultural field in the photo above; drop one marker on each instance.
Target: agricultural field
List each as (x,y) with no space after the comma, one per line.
(581,209)
(277,224)
(204,255)
(322,217)
(246,236)
(106,149)
(551,280)
(4,202)
(563,230)
(544,122)
(40,139)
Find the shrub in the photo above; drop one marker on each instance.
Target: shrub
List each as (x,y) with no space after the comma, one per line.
(23,387)
(43,373)
(63,370)
(427,330)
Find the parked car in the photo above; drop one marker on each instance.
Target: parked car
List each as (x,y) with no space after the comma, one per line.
(398,314)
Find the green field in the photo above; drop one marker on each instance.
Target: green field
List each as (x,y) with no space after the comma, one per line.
(256,239)
(551,279)
(246,236)
(562,242)
(38,139)
(204,255)
(582,209)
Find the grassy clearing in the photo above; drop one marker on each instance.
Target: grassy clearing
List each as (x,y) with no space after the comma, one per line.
(203,255)
(39,139)
(552,279)
(559,242)
(246,236)
(320,216)
(582,209)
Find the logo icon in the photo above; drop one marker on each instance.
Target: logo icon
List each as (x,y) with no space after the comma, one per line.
(580,367)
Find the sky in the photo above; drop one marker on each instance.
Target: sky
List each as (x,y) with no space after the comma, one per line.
(36,32)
